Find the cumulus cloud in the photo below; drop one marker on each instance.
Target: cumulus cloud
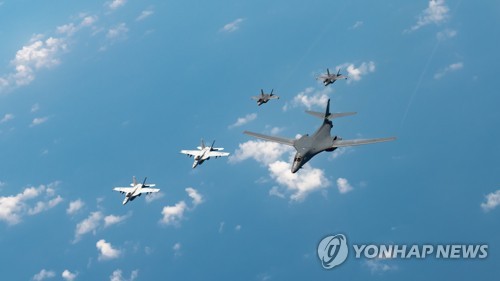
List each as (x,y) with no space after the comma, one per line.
(115,4)
(112,219)
(88,225)
(243,120)
(343,185)
(270,154)
(357,24)
(37,54)
(38,121)
(68,275)
(106,250)
(177,249)
(145,14)
(436,12)
(492,201)
(42,206)
(117,32)
(74,207)
(14,207)
(195,196)
(94,221)
(117,275)
(232,26)
(172,215)
(88,20)
(67,29)
(309,98)
(300,184)
(7,117)
(44,274)
(450,68)
(446,34)
(356,73)
(153,197)
(264,152)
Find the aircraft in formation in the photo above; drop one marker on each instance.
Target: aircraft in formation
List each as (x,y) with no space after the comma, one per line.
(329,78)
(136,190)
(308,146)
(264,98)
(204,153)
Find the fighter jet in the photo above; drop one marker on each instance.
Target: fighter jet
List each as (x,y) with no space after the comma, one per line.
(136,190)
(204,153)
(263,98)
(331,78)
(308,146)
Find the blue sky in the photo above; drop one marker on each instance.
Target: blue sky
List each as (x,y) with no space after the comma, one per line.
(95,92)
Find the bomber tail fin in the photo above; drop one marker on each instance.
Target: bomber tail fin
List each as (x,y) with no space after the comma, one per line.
(327,114)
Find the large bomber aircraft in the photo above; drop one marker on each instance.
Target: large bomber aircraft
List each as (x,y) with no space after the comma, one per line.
(308,146)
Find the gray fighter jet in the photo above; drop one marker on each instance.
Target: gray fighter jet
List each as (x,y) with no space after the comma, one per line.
(308,146)
(263,98)
(331,78)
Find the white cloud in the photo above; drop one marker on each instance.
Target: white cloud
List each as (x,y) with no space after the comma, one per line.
(67,29)
(117,275)
(243,120)
(106,250)
(37,54)
(298,185)
(42,206)
(112,219)
(221,226)
(13,208)
(232,26)
(355,73)
(263,152)
(197,197)
(44,274)
(7,117)
(237,228)
(38,121)
(177,249)
(357,24)
(68,275)
(343,185)
(145,14)
(115,4)
(172,215)
(309,98)
(35,107)
(446,34)
(88,225)
(436,12)
(118,31)
(154,196)
(74,207)
(450,68)
(88,20)
(492,201)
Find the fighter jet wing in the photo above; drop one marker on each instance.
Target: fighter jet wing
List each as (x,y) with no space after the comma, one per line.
(123,189)
(148,190)
(270,138)
(274,97)
(217,154)
(255,97)
(191,152)
(342,143)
